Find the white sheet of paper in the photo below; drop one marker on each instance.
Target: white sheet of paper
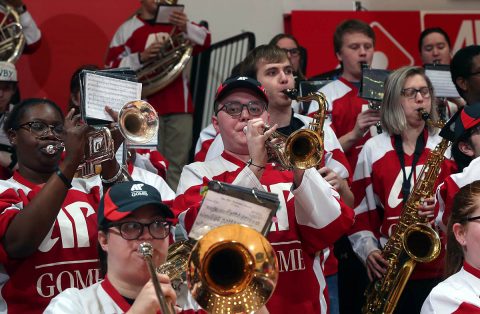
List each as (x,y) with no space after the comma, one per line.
(219,209)
(164,12)
(101,91)
(442,83)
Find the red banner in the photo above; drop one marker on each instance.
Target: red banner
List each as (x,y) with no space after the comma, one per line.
(396,32)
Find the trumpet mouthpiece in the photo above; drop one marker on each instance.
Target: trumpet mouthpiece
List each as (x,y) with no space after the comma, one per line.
(245,129)
(145,249)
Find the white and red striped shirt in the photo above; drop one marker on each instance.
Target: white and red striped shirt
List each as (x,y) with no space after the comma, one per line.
(458,294)
(309,219)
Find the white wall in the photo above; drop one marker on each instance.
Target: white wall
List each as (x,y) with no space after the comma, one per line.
(265,17)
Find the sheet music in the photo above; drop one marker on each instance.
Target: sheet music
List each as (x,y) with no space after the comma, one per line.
(441,79)
(220,209)
(101,91)
(164,12)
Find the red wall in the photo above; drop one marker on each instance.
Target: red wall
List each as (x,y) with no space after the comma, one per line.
(397,34)
(73,33)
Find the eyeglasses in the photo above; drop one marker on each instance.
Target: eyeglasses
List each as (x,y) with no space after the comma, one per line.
(235,108)
(468,219)
(293,52)
(412,92)
(132,230)
(40,128)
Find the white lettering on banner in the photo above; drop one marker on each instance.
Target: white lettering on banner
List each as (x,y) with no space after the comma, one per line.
(394,197)
(282,213)
(48,285)
(292,262)
(66,227)
(465,36)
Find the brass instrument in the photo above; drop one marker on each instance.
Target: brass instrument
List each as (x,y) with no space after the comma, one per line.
(303,149)
(12,39)
(138,123)
(412,241)
(169,64)
(146,250)
(231,269)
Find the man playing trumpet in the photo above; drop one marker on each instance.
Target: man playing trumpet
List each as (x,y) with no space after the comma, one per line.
(310,218)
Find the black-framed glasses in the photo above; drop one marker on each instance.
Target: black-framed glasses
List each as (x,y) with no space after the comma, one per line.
(235,108)
(412,92)
(472,218)
(293,51)
(132,230)
(40,128)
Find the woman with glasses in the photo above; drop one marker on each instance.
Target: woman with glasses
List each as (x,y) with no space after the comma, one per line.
(48,220)
(290,45)
(129,214)
(385,174)
(459,292)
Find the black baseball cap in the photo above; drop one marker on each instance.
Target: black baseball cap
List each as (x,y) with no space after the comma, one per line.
(464,120)
(124,198)
(236,82)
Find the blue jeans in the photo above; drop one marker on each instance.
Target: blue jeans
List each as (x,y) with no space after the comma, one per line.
(332,286)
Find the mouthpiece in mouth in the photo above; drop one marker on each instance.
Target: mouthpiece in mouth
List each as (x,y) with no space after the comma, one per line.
(245,129)
(52,149)
(292,93)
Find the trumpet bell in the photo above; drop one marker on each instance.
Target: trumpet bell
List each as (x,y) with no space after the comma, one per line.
(232,269)
(138,121)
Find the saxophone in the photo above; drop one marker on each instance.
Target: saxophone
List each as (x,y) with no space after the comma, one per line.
(412,241)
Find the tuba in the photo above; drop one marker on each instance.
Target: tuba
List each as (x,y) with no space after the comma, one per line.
(303,149)
(413,240)
(168,65)
(138,123)
(231,269)
(12,39)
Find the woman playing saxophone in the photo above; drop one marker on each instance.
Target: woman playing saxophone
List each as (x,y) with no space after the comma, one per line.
(387,170)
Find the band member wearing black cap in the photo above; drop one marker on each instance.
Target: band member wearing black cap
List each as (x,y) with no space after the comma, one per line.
(310,217)
(129,213)
(465,151)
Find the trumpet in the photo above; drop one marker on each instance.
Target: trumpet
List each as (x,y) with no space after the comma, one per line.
(138,123)
(146,250)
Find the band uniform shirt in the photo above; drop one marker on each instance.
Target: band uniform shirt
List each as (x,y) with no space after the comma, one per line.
(309,219)
(377,186)
(67,256)
(447,190)
(458,294)
(132,38)
(344,105)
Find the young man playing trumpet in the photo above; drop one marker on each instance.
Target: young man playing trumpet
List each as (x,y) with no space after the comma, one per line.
(129,213)
(310,217)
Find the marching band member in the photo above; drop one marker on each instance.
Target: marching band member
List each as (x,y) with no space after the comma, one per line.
(354,43)
(386,171)
(459,292)
(129,213)
(139,40)
(465,69)
(48,220)
(310,218)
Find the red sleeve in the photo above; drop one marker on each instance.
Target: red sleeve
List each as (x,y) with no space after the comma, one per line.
(8,212)
(202,153)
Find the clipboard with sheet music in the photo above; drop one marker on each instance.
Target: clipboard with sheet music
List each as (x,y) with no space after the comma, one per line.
(226,203)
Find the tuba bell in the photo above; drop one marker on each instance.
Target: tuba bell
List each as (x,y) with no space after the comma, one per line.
(168,65)
(12,39)
(231,269)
